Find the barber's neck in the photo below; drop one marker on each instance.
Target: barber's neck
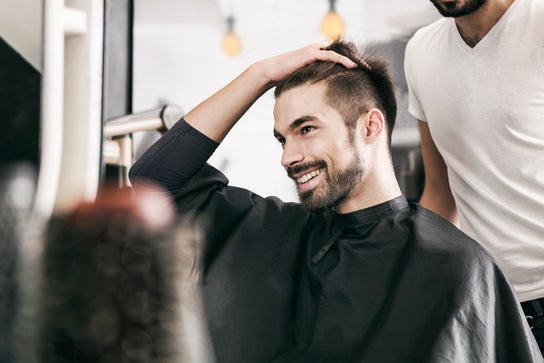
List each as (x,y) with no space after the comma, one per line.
(475,26)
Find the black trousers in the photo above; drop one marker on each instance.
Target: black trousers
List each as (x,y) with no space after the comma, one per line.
(534,312)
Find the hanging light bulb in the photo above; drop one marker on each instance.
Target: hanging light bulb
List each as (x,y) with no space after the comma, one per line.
(231,44)
(332,25)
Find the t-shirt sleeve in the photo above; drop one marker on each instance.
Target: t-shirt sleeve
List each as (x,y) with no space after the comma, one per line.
(174,159)
(410,57)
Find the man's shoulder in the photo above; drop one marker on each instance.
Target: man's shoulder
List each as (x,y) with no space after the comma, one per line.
(430,33)
(439,237)
(439,251)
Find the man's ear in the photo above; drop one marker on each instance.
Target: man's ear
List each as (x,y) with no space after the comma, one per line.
(374,125)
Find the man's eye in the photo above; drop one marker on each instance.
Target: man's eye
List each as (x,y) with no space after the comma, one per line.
(281,140)
(306,129)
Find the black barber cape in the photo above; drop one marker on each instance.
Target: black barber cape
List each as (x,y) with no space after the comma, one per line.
(391,283)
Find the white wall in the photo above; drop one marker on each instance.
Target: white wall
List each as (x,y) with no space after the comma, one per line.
(177,59)
(21,27)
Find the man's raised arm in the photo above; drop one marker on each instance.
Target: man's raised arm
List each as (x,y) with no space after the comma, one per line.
(215,116)
(186,147)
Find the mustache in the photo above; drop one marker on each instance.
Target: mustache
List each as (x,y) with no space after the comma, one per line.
(292,170)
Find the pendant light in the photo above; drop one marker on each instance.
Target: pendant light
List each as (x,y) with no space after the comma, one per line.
(231,44)
(332,25)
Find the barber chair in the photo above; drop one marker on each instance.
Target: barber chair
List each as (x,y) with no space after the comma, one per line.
(118,148)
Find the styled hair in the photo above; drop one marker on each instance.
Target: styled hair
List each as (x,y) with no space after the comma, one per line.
(352,91)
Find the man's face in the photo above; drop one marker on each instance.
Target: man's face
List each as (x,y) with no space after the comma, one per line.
(320,153)
(457,8)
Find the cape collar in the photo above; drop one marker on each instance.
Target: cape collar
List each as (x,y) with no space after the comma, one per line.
(361,220)
(374,213)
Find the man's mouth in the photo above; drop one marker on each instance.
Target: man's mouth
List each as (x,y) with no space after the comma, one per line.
(308,176)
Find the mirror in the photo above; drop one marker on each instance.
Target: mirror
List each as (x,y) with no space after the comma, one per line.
(178,59)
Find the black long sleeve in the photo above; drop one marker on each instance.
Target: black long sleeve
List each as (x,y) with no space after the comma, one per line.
(174,158)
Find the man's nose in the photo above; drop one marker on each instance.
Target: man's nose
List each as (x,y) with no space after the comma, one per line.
(292,154)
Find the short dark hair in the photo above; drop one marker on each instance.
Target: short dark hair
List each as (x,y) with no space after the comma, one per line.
(352,91)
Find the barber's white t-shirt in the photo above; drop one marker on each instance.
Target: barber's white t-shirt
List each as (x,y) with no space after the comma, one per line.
(485,111)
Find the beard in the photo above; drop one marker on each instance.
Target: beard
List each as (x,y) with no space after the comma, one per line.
(451,10)
(338,184)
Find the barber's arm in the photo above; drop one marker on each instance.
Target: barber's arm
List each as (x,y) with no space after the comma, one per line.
(217,115)
(437,194)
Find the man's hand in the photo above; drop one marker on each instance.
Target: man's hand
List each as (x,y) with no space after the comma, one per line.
(219,113)
(278,67)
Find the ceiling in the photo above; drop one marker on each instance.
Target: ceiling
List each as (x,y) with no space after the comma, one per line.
(373,19)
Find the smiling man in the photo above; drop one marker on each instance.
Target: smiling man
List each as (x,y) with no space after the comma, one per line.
(352,273)
(318,155)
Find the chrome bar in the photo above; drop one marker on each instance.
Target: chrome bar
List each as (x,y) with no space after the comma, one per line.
(160,118)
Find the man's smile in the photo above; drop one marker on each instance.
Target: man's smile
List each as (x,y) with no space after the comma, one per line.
(304,178)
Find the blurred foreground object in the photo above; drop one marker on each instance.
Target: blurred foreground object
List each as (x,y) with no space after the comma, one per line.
(17,189)
(119,284)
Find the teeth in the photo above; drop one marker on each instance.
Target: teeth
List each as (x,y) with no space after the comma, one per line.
(306,177)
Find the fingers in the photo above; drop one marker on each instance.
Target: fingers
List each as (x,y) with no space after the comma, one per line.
(280,66)
(322,54)
(332,56)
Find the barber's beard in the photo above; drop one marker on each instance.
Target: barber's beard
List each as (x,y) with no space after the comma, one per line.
(336,188)
(452,10)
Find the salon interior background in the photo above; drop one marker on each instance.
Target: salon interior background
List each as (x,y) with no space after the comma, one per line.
(155,52)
